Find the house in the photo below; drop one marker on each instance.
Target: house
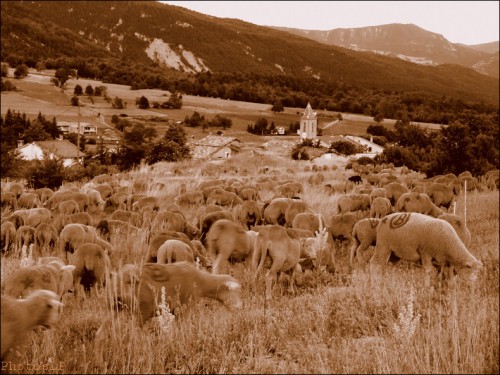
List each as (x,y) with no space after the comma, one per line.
(308,123)
(372,149)
(72,127)
(59,148)
(215,147)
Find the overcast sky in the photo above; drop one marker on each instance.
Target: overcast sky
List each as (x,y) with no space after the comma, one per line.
(467,22)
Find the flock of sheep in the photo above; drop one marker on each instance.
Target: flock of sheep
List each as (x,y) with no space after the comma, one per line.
(71,232)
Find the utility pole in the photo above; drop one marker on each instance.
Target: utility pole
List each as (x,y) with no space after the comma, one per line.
(78,136)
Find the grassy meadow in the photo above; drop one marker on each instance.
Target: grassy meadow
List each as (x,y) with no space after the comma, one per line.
(335,323)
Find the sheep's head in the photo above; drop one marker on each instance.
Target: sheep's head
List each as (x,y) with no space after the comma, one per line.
(45,306)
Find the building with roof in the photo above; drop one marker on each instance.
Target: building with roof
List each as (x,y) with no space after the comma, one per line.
(59,148)
(215,147)
(72,127)
(308,123)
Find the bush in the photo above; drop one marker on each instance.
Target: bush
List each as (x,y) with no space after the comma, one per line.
(45,173)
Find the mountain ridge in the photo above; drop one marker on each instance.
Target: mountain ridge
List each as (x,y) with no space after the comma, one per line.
(190,42)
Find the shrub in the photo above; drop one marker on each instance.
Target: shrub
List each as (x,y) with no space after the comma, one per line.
(45,173)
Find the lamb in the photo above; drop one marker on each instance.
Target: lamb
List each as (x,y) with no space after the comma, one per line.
(174,251)
(91,264)
(184,284)
(20,316)
(295,207)
(364,234)
(415,236)
(308,221)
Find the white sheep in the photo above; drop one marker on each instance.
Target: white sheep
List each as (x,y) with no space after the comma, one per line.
(418,237)
(364,234)
(20,316)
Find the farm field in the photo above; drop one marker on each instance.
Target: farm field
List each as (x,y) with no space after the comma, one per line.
(334,322)
(36,94)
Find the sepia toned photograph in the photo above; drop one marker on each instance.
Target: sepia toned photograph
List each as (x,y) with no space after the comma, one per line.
(250,187)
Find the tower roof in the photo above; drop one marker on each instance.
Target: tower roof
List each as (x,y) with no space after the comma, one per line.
(309,113)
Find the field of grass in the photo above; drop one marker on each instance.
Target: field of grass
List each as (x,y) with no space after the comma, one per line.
(36,94)
(335,323)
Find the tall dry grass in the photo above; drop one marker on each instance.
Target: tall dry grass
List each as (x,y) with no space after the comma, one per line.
(336,323)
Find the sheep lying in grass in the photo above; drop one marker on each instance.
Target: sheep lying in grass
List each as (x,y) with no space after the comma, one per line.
(184,284)
(52,275)
(364,234)
(418,237)
(20,316)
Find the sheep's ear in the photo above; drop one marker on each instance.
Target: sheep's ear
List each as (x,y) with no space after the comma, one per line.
(231,285)
(69,267)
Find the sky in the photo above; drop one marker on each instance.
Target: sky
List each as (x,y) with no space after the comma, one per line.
(467,22)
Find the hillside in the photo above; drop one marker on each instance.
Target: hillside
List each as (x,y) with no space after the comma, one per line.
(187,41)
(408,42)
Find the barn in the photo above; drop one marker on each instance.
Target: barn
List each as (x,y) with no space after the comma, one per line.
(215,147)
(59,148)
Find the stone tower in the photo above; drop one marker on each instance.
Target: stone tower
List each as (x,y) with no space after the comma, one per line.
(308,123)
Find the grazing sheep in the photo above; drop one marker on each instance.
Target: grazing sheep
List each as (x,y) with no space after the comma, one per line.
(130,217)
(8,236)
(96,200)
(294,208)
(174,251)
(210,219)
(145,203)
(34,216)
(51,274)
(418,237)
(248,214)
(443,195)
(394,190)
(341,226)
(356,179)
(25,236)
(377,192)
(274,212)
(224,198)
(364,234)
(111,228)
(459,225)
(289,189)
(284,251)
(227,240)
(249,194)
(190,198)
(73,235)
(353,202)
(16,188)
(159,239)
(184,285)
(416,202)
(117,201)
(8,199)
(308,221)
(46,237)
(28,200)
(83,218)
(380,207)
(204,210)
(66,207)
(91,264)
(44,194)
(20,316)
